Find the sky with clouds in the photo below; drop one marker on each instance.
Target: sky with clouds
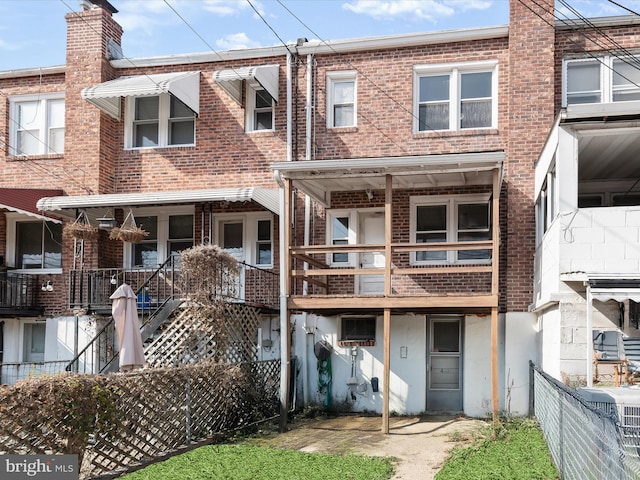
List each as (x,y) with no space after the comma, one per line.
(33,32)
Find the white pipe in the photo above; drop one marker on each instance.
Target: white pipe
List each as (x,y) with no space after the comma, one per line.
(589,337)
(309,107)
(284,314)
(307,225)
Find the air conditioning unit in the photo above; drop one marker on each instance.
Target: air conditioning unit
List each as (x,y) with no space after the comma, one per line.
(624,402)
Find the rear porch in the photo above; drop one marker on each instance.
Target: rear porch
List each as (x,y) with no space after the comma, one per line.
(402,236)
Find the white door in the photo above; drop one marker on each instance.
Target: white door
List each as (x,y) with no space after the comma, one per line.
(232,240)
(33,342)
(371,231)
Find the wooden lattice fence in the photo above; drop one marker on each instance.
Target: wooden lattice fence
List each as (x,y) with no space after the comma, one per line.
(134,417)
(189,336)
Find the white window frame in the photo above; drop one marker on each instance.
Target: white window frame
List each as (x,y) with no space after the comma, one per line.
(23,339)
(455,72)
(164,121)
(249,222)
(251,109)
(352,215)
(452,202)
(162,214)
(606,77)
(341,77)
(44,122)
(12,219)
(259,242)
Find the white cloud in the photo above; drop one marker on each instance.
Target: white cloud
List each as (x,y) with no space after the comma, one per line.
(231,7)
(236,41)
(389,9)
(10,46)
(414,9)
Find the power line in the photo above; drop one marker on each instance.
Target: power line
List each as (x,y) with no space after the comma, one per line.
(624,8)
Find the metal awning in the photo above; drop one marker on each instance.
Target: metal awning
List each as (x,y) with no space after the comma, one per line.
(619,289)
(107,96)
(268,198)
(318,178)
(231,80)
(24,200)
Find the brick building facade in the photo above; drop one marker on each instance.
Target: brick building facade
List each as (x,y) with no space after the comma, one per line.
(391,181)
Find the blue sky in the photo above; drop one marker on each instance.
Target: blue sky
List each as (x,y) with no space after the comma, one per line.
(32,32)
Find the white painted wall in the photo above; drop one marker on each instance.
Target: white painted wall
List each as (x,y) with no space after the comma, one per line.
(601,240)
(520,348)
(408,374)
(477,401)
(60,340)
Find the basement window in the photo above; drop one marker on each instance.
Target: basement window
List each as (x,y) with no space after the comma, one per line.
(358,330)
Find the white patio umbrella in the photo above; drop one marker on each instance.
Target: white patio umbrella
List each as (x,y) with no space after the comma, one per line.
(125,316)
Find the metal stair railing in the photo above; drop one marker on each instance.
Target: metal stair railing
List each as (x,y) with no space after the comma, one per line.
(100,351)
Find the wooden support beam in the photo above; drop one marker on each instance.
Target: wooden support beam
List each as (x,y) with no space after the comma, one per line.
(388,224)
(387,369)
(495,287)
(329,302)
(495,393)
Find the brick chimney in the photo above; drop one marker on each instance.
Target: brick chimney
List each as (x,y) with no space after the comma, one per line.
(531,114)
(93,39)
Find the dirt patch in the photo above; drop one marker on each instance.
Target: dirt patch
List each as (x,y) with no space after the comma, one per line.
(420,444)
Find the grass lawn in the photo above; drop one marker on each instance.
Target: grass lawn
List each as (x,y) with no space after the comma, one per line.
(515,450)
(247,462)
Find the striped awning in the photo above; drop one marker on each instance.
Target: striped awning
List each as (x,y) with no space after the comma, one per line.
(107,96)
(67,205)
(231,80)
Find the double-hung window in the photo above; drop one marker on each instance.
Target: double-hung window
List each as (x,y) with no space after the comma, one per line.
(170,232)
(259,109)
(159,121)
(459,218)
(341,99)
(601,80)
(33,244)
(455,97)
(37,125)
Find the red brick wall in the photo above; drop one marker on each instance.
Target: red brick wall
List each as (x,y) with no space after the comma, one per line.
(531,115)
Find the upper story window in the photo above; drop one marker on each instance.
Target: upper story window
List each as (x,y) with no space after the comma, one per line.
(158,121)
(601,80)
(37,125)
(259,109)
(459,218)
(33,244)
(341,99)
(455,97)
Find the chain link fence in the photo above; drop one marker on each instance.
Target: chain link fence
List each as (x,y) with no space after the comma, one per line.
(585,441)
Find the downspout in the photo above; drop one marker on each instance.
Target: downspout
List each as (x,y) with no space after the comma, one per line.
(285,360)
(307,222)
(589,337)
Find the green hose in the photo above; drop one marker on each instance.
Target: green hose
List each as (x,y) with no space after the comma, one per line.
(325,380)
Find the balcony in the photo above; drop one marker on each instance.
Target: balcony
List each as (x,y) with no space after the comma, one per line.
(90,289)
(601,241)
(19,294)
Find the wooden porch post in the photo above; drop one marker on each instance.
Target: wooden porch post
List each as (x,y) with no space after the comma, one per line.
(388,215)
(495,286)
(285,292)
